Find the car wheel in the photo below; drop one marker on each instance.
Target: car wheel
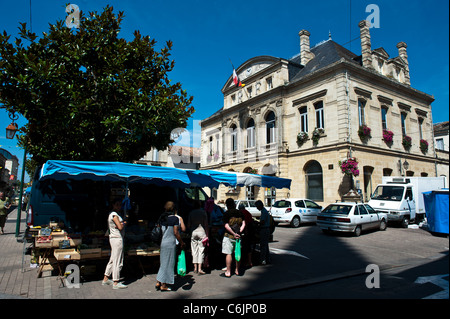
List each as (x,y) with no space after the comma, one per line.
(383,225)
(405,222)
(357,231)
(295,222)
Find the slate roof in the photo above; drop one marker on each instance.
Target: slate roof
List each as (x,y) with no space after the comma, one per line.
(325,53)
(441,129)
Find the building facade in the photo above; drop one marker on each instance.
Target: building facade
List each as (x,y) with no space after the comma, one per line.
(300,118)
(8,170)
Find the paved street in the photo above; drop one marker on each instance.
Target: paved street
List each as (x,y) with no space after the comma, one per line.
(306,264)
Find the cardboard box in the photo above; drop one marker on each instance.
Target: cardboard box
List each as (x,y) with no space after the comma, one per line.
(66,254)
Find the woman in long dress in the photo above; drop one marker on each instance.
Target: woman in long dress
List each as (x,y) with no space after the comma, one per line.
(170,229)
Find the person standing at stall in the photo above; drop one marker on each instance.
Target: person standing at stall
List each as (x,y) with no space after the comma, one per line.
(116,227)
(234,227)
(198,225)
(170,229)
(264,233)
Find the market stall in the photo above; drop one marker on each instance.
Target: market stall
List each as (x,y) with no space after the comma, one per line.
(144,188)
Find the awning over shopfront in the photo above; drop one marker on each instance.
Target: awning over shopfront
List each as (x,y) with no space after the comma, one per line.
(244,179)
(163,176)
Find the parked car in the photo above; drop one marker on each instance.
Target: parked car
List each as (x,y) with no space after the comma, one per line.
(351,217)
(250,206)
(295,211)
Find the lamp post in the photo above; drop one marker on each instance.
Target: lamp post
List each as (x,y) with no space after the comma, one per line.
(11,130)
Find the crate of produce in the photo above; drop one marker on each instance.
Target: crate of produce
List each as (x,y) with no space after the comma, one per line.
(43,242)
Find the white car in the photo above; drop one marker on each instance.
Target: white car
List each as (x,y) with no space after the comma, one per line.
(295,211)
(351,217)
(250,206)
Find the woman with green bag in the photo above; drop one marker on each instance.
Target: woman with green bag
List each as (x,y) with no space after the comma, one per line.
(167,255)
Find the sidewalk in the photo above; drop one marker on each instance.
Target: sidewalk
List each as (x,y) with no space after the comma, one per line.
(279,275)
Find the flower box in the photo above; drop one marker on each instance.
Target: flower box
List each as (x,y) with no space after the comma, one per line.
(406,142)
(388,136)
(349,166)
(423,146)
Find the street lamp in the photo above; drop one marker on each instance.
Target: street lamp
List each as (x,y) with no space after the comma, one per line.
(11,130)
(405,165)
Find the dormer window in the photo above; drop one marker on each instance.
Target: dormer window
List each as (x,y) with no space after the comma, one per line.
(380,66)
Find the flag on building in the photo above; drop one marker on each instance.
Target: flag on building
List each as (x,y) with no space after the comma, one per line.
(236,80)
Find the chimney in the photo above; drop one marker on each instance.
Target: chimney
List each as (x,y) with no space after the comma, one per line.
(305,53)
(366,49)
(401,46)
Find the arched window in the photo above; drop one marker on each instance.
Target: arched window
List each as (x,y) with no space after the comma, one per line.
(251,133)
(314,181)
(270,128)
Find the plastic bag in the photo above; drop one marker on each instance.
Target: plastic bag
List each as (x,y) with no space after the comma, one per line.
(237,250)
(181,266)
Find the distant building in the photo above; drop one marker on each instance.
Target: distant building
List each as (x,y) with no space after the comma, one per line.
(9,165)
(298,118)
(174,156)
(441,142)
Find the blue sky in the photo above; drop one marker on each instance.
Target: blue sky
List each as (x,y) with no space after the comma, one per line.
(206,35)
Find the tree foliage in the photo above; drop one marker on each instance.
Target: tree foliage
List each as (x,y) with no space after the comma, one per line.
(88,94)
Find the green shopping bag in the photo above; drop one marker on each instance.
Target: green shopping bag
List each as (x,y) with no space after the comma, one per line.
(181,266)
(237,250)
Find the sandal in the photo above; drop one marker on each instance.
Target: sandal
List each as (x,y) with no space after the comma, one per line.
(225,276)
(158,286)
(165,289)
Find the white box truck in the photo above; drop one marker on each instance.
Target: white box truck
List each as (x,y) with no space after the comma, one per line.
(401,197)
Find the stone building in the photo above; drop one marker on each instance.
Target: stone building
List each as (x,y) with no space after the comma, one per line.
(298,118)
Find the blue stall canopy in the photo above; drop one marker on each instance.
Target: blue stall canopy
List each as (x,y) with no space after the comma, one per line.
(437,210)
(162,176)
(115,171)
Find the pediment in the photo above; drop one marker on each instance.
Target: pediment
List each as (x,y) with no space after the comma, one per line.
(250,68)
(382,52)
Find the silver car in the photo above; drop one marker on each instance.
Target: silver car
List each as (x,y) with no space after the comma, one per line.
(295,211)
(350,217)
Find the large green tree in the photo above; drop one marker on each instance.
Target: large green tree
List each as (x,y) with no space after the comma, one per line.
(88,94)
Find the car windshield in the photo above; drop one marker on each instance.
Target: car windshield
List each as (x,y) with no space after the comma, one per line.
(282,204)
(388,192)
(337,209)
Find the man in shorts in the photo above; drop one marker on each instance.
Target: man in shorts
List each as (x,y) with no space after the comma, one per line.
(234,227)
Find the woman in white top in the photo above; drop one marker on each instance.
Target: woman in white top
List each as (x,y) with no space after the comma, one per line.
(116,229)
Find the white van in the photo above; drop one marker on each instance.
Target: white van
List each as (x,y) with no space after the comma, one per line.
(401,198)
